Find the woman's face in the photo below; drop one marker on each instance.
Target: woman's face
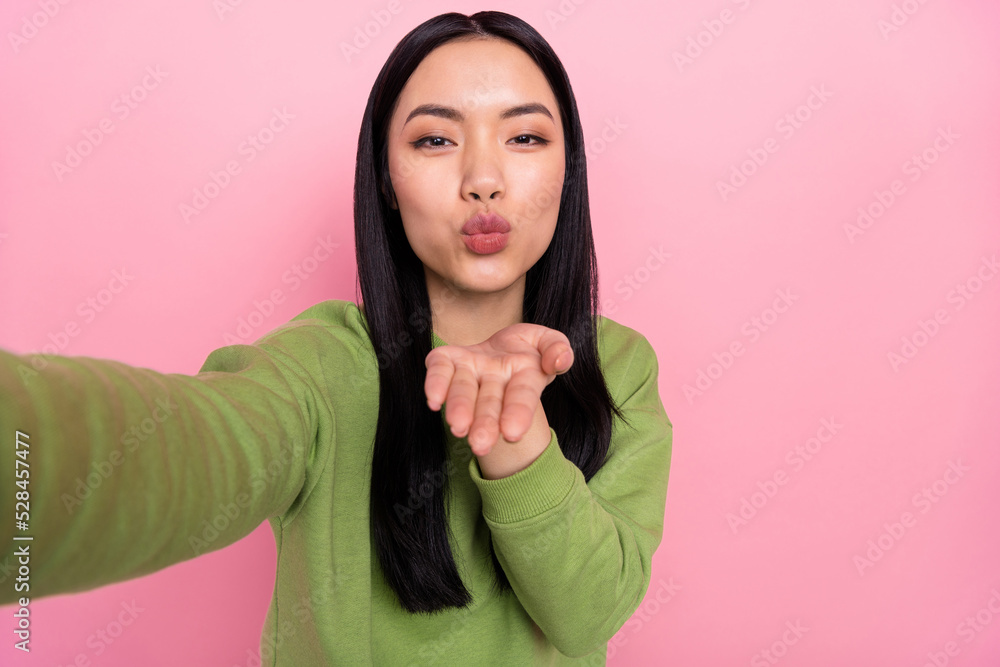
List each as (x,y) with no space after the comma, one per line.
(463,140)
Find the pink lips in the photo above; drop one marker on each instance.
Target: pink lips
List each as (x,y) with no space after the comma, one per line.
(485,233)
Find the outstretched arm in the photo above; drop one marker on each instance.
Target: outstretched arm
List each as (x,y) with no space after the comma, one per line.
(128,470)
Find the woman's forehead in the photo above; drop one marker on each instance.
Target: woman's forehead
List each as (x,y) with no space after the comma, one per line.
(475,77)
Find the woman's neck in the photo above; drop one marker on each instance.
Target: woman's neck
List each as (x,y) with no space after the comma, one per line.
(468,318)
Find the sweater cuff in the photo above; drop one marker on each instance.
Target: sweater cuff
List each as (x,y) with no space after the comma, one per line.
(544,484)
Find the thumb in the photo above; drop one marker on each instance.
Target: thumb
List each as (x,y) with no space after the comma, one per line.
(557,354)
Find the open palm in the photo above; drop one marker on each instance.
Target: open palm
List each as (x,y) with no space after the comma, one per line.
(494,388)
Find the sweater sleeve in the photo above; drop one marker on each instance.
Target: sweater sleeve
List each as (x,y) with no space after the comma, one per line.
(578,554)
(129,470)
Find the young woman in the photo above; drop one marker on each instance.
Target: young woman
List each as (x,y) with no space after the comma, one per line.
(517,527)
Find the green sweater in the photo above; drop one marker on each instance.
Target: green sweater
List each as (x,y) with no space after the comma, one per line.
(131,470)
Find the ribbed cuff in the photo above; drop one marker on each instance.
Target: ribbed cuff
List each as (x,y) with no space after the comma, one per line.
(544,484)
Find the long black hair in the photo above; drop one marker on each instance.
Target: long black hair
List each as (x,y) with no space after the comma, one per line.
(410,449)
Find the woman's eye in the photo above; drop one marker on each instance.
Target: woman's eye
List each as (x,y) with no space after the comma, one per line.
(520,140)
(423,142)
(538,140)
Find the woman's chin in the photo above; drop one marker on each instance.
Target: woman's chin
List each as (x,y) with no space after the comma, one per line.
(485,284)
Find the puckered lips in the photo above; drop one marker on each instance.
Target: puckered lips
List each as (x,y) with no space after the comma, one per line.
(485,233)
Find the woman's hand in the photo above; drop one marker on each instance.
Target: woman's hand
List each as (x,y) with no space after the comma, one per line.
(494,388)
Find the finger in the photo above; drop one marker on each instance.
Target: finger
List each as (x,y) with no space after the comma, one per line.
(557,353)
(461,400)
(520,401)
(440,370)
(485,427)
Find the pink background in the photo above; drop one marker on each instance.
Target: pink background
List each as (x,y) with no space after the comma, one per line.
(682,128)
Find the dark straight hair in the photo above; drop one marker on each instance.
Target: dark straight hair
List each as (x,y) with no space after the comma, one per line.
(410,449)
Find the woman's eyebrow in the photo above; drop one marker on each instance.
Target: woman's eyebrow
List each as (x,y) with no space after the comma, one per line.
(454,114)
